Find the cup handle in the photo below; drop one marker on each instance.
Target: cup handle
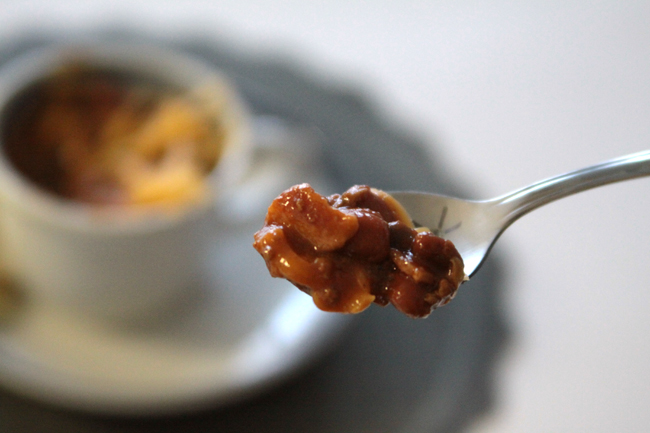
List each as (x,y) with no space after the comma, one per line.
(284,154)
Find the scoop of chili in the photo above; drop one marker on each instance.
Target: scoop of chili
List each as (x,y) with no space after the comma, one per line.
(352,249)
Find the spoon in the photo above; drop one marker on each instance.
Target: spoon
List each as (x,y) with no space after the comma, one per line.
(474,226)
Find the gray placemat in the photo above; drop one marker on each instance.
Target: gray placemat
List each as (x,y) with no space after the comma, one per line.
(386,373)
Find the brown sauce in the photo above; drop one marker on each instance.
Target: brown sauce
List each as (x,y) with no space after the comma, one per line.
(352,249)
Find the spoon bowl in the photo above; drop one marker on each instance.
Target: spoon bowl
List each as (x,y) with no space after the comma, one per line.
(474,226)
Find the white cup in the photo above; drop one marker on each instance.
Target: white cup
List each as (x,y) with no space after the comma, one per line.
(103,261)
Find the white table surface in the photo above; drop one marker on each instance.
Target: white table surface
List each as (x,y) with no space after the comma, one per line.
(508,93)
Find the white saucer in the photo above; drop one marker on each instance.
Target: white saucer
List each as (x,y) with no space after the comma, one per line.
(211,350)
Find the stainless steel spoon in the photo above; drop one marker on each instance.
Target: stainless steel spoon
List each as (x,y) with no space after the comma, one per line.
(474,226)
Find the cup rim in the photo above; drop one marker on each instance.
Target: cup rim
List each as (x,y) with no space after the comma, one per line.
(158,62)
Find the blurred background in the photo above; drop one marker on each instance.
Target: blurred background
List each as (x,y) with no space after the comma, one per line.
(503,94)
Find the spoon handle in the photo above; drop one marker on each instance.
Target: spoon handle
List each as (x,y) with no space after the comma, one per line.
(522,201)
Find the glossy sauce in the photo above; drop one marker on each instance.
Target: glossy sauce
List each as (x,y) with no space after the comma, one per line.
(352,249)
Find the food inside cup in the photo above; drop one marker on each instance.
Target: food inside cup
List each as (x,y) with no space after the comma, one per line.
(352,249)
(102,136)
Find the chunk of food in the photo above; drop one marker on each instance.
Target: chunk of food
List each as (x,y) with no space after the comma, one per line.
(352,249)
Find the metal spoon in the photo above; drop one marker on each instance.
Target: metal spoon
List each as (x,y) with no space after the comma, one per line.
(474,226)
